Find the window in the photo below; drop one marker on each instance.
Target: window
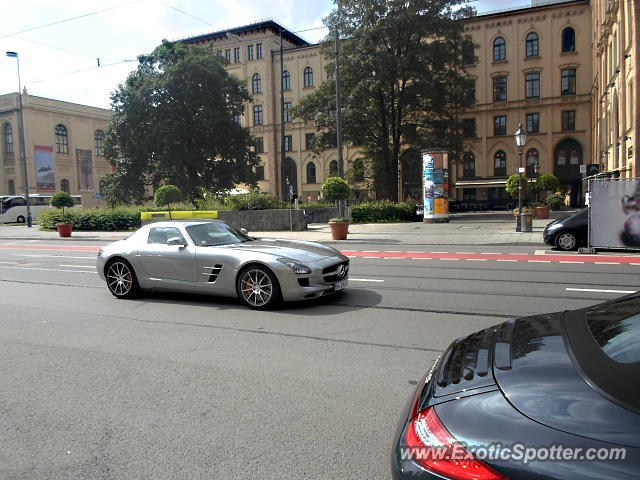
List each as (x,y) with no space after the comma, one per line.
(568,40)
(227,55)
(160,235)
(468,53)
(569,120)
(469,165)
(499,49)
(257,114)
(500,89)
(500,164)
(287,112)
(99,138)
(532,85)
(470,91)
(258,144)
(288,143)
(64,185)
(258,50)
(469,194)
(532,45)
(533,122)
(256,83)
(238,118)
(236,55)
(260,172)
(12,187)
(532,163)
(286,80)
(8,138)
(308,77)
(249,52)
(500,125)
(569,81)
(616,329)
(357,170)
(333,168)
(469,127)
(309,140)
(62,140)
(311,172)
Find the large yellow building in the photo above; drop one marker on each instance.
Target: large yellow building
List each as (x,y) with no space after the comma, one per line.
(531,66)
(63,147)
(616,102)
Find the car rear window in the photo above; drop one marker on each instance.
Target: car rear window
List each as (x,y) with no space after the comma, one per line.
(616,329)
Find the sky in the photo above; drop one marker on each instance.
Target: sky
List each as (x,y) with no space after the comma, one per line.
(59,41)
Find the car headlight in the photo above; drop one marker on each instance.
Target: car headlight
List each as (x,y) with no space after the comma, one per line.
(555,226)
(297,267)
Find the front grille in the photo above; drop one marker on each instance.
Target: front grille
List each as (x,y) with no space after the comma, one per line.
(331,275)
(303,282)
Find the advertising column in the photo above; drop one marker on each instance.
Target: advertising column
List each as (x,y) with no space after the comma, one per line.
(435,187)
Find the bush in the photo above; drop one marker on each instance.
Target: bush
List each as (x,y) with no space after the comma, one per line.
(94,219)
(384,211)
(546,182)
(554,201)
(513,183)
(334,189)
(166,195)
(62,200)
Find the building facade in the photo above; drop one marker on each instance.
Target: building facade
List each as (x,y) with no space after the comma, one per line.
(531,66)
(616,105)
(252,54)
(64,147)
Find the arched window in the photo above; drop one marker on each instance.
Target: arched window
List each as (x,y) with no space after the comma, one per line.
(64,185)
(256,83)
(357,170)
(568,40)
(533,162)
(469,165)
(8,138)
(499,49)
(290,176)
(500,164)
(99,138)
(308,77)
(286,80)
(333,168)
(12,187)
(533,49)
(311,172)
(62,139)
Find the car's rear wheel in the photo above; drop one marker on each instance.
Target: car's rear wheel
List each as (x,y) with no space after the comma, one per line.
(20,219)
(566,240)
(258,287)
(121,279)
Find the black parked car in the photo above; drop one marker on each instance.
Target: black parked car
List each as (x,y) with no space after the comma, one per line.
(553,396)
(567,233)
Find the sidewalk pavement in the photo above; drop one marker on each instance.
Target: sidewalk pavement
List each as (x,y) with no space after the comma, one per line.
(462,230)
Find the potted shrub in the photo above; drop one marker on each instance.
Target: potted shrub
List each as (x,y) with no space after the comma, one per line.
(166,195)
(555,201)
(336,189)
(63,200)
(542,210)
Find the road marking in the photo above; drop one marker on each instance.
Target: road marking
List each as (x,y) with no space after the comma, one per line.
(427,258)
(607,263)
(370,257)
(477,259)
(564,261)
(539,261)
(439,252)
(49,269)
(540,252)
(10,263)
(375,280)
(505,260)
(78,266)
(598,290)
(51,256)
(449,259)
(15,246)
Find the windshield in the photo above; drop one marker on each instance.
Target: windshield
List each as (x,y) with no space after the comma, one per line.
(211,234)
(616,329)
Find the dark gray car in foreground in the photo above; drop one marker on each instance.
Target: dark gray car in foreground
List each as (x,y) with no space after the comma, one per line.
(553,396)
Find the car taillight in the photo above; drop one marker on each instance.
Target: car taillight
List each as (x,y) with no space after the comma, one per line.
(433,447)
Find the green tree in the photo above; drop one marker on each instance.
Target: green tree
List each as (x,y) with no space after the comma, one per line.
(62,200)
(166,195)
(174,122)
(547,182)
(402,84)
(334,189)
(513,184)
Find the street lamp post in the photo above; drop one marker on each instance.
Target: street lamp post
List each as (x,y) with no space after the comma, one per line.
(521,139)
(23,152)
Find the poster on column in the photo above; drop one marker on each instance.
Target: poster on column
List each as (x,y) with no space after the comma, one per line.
(436,187)
(45,168)
(614,213)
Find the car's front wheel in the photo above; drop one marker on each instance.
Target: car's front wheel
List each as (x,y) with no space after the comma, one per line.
(121,279)
(566,240)
(258,287)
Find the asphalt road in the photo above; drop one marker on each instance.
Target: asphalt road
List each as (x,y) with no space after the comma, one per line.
(189,387)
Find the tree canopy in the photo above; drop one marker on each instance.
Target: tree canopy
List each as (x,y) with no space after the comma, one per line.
(401,80)
(175,122)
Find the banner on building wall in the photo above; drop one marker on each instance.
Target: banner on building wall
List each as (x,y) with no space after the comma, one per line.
(614,215)
(45,168)
(435,182)
(84,164)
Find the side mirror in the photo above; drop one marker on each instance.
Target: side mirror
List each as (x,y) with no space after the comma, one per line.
(244,231)
(177,241)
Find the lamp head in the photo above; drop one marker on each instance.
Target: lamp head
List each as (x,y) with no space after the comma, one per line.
(12,54)
(520,136)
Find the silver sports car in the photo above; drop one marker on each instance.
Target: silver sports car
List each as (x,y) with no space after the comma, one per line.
(209,256)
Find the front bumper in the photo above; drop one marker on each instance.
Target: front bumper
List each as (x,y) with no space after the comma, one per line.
(324,279)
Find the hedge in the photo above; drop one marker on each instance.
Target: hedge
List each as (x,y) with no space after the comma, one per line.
(383,211)
(93,219)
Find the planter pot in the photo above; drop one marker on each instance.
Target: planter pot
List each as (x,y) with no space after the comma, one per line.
(64,229)
(339,230)
(542,212)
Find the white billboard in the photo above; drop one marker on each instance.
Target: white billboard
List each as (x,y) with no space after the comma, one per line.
(614,220)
